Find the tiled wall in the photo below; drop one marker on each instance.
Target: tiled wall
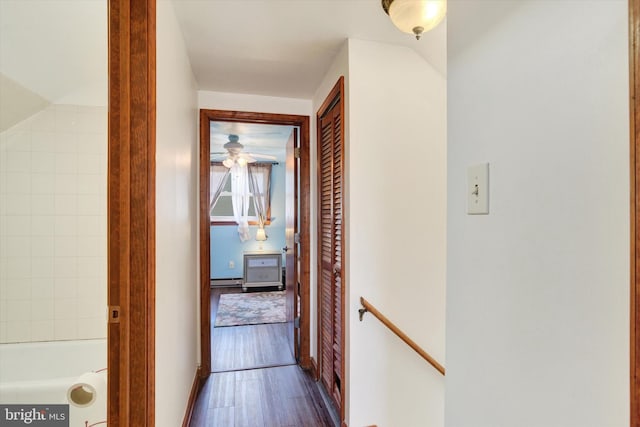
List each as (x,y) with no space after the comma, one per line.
(53,192)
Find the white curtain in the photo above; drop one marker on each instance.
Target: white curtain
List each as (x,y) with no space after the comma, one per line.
(217,179)
(260,186)
(240,199)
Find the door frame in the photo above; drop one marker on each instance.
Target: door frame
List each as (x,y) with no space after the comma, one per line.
(131,213)
(206,117)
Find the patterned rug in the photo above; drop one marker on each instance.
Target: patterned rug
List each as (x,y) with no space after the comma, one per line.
(251,308)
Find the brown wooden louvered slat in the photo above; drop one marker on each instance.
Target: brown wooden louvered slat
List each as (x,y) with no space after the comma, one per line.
(330,246)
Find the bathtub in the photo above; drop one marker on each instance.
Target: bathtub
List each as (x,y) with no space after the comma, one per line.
(42,372)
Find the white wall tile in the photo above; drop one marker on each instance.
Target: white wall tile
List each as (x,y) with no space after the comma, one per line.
(91,225)
(17,141)
(42,162)
(66,266)
(53,189)
(90,307)
(19,246)
(43,142)
(66,183)
(42,289)
(43,225)
(65,329)
(66,225)
(16,289)
(89,246)
(42,330)
(66,246)
(65,287)
(91,267)
(18,204)
(42,204)
(43,183)
(65,308)
(42,246)
(91,287)
(18,331)
(90,205)
(18,161)
(18,310)
(95,327)
(17,183)
(66,142)
(66,163)
(42,309)
(66,204)
(42,267)
(18,267)
(66,120)
(17,225)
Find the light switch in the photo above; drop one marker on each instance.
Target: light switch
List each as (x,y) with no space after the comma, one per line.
(478,189)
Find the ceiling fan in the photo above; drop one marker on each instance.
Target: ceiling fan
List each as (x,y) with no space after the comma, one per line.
(235,154)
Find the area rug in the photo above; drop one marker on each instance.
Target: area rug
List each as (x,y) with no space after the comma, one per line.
(251,308)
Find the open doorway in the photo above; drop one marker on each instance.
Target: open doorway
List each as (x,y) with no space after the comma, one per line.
(230,254)
(248,200)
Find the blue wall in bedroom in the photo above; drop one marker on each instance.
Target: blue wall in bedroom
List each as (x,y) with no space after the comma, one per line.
(226,246)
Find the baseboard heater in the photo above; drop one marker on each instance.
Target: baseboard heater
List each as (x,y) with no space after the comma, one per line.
(226,282)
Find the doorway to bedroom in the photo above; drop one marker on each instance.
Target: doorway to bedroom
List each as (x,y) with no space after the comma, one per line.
(254,187)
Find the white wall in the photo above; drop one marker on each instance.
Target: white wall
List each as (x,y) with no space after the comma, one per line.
(53,225)
(398,267)
(253,103)
(537,297)
(396,222)
(176,223)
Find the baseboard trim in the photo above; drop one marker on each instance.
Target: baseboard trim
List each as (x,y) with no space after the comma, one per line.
(198,382)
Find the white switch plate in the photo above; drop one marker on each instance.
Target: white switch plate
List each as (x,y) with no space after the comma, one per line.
(478,189)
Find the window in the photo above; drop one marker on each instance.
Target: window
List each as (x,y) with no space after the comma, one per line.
(221,206)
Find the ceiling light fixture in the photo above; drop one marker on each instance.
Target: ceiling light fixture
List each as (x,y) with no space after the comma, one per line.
(415,16)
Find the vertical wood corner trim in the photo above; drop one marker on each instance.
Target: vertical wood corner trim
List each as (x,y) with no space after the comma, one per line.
(131,206)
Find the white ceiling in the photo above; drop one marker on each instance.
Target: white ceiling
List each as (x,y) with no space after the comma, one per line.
(57,49)
(284,47)
(256,138)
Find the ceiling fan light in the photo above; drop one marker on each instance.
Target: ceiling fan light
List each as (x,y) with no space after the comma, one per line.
(228,163)
(415,16)
(242,161)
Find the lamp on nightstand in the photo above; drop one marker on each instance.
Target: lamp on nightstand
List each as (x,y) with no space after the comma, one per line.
(261,236)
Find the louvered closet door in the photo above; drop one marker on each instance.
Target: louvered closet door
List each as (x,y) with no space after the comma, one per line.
(331,292)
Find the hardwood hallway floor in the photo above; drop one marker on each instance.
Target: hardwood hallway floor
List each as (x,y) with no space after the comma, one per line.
(255,380)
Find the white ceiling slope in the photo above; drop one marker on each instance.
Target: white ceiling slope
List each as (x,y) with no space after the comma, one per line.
(56,48)
(284,47)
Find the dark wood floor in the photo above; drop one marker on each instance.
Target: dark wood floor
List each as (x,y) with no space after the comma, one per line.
(248,347)
(256,381)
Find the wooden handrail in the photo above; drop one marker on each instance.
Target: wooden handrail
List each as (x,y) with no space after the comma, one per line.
(389,324)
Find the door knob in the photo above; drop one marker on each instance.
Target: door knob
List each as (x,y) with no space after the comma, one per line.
(285,249)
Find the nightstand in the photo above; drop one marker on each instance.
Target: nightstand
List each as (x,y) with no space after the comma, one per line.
(262,268)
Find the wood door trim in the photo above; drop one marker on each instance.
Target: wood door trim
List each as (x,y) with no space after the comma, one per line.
(131,212)
(206,116)
(634,152)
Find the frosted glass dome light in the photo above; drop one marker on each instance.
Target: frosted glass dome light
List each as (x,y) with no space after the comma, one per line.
(415,16)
